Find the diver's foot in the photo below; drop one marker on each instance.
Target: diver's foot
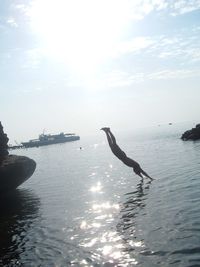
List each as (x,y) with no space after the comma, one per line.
(105,129)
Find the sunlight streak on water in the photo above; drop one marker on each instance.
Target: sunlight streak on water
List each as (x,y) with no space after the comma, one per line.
(98,208)
(108,244)
(92,174)
(96,188)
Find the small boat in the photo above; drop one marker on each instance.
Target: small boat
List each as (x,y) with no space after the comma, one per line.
(49,139)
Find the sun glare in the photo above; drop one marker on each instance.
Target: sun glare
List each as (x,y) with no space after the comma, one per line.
(82,33)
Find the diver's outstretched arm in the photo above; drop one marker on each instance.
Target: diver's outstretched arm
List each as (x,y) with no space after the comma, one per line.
(145,174)
(139,171)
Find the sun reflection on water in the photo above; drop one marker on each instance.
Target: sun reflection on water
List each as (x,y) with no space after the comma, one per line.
(96,188)
(105,243)
(92,174)
(108,243)
(83,225)
(136,244)
(98,208)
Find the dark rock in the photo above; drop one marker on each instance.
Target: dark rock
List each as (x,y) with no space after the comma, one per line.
(193,134)
(3,143)
(14,170)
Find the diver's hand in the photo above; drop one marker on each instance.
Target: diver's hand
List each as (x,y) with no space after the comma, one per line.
(139,171)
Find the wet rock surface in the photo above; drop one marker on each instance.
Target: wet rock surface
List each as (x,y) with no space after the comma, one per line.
(14,170)
(3,143)
(193,134)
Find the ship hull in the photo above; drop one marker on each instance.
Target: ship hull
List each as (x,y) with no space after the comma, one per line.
(50,142)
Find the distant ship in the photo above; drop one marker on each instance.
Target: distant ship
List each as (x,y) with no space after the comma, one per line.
(50,139)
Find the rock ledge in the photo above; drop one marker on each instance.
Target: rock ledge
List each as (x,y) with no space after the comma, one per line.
(193,134)
(14,170)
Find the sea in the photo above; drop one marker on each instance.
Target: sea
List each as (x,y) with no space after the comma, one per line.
(84,207)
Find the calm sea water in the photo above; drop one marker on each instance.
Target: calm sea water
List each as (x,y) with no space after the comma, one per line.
(85,208)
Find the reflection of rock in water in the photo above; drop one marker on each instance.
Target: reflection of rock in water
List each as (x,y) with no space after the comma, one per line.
(131,208)
(17,212)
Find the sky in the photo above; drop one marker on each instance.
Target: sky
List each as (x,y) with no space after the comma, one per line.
(79,65)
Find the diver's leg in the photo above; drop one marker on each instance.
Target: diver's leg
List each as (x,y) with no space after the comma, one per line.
(116,149)
(112,136)
(109,139)
(113,145)
(105,129)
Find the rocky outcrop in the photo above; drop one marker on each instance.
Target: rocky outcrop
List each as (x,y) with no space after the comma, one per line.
(193,134)
(3,143)
(14,170)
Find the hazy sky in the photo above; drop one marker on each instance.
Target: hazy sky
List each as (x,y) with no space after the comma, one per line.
(78,65)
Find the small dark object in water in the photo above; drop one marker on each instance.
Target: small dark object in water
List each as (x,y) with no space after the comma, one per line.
(193,134)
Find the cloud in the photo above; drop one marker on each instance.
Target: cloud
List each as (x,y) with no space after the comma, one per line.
(22,8)
(11,22)
(140,9)
(32,90)
(174,74)
(134,9)
(184,46)
(5,55)
(134,46)
(121,79)
(115,78)
(184,6)
(33,58)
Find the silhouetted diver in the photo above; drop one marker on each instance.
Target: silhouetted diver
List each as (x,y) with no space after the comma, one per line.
(122,156)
